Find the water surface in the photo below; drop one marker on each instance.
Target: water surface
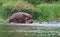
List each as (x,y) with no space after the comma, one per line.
(29,30)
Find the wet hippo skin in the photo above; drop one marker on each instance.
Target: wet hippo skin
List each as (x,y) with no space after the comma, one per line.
(21,17)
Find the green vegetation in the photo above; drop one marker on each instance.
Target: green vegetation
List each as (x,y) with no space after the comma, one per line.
(49,12)
(41,10)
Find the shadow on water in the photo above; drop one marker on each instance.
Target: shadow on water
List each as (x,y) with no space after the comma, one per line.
(20,30)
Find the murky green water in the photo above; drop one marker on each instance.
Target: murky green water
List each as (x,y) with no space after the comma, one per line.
(29,31)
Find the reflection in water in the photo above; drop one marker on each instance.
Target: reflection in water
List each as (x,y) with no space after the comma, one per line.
(29,31)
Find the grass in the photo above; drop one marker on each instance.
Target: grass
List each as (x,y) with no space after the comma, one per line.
(10,7)
(49,12)
(40,12)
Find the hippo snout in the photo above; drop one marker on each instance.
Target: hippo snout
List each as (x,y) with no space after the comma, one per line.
(31,21)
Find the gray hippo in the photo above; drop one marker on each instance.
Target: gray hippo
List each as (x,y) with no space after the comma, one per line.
(21,17)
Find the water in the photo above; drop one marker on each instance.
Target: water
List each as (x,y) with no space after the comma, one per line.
(29,30)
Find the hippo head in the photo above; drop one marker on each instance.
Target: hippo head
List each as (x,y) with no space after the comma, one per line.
(28,18)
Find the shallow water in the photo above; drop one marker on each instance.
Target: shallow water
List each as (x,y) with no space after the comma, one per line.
(30,30)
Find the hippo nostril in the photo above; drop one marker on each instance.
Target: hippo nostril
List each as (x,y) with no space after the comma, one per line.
(31,22)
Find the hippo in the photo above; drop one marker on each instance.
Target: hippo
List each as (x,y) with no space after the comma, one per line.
(21,17)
